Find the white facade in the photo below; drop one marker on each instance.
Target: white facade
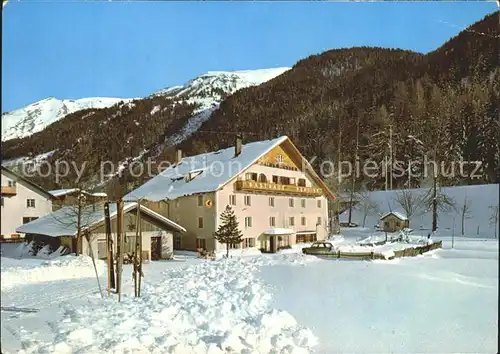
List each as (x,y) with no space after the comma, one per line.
(21,203)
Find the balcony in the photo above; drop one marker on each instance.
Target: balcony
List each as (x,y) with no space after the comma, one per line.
(9,190)
(266,187)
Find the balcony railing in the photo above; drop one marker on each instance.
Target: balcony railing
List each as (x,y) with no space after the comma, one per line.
(9,190)
(266,187)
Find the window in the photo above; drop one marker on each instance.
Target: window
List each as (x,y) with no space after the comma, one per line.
(283,241)
(248,242)
(301,182)
(177,241)
(251,176)
(292,221)
(303,221)
(303,203)
(319,221)
(292,180)
(284,180)
(28,219)
(2,201)
(201,243)
(271,201)
(310,238)
(30,203)
(234,245)
(291,203)
(262,178)
(275,179)
(200,222)
(279,158)
(232,199)
(248,201)
(272,221)
(318,202)
(200,200)
(248,221)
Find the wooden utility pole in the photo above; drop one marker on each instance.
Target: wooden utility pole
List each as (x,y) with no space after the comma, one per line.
(353,185)
(136,274)
(390,153)
(109,250)
(119,244)
(140,274)
(89,239)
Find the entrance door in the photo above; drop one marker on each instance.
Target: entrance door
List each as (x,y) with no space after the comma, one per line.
(155,248)
(272,244)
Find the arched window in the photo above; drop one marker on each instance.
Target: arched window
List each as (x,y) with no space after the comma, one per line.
(262,178)
(302,182)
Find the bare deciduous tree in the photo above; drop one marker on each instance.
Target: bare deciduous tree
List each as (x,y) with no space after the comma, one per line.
(367,206)
(437,201)
(465,212)
(494,217)
(80,216)
(411,202)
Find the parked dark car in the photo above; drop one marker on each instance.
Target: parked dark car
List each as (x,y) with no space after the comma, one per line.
(319,247)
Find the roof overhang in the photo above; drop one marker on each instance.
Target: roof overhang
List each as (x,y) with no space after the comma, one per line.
(69,229)
(278,231)
(34,187)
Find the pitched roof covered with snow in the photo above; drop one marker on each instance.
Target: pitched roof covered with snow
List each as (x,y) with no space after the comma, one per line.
(400,216)
(62,222)
(210,171)
(62,192)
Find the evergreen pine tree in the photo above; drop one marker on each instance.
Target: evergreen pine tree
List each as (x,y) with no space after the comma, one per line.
(228,231)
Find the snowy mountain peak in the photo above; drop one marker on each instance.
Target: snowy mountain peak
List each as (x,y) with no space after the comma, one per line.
(214,83)
(207,91)
(31,119)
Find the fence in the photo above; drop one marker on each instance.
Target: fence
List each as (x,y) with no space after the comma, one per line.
(407,252)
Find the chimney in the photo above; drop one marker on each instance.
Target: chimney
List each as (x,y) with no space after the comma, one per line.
(237,146)
(178,156)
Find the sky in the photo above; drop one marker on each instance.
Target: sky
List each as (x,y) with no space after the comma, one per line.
(76,49)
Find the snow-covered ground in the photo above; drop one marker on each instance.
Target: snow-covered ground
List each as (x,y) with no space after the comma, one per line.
(477,224)
(444,301)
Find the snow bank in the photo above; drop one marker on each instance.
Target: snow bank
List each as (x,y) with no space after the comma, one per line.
(209,307)
(29,271)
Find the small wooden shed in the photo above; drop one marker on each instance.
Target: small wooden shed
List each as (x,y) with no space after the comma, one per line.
(393,221)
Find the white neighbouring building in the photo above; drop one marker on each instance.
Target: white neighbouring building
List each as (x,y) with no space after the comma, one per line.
(21,202)
(276,195)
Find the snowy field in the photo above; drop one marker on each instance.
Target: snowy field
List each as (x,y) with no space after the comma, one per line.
(480,197)
(444,301)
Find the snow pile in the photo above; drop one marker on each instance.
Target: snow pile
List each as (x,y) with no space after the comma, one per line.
(29,271)
(209,307)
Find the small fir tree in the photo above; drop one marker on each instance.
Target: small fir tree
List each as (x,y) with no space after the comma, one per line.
(228,231)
